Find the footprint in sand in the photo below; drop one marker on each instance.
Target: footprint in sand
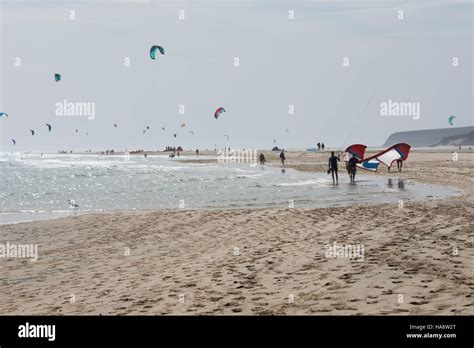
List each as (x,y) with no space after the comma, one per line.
(418,303)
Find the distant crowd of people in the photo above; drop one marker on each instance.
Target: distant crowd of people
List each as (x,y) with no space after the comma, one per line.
(173,148)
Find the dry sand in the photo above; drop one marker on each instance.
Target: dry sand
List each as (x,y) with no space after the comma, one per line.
(281,257)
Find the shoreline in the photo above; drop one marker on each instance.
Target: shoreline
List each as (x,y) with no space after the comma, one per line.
(45,216)
(207,209)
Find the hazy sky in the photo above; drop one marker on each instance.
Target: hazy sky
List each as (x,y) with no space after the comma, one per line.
(282,62)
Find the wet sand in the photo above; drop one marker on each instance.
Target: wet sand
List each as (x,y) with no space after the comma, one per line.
(263,261)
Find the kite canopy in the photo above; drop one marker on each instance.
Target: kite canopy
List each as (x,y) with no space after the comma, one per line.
(397,152)
(32,132)
(154,50)
(371,165)
(14,141)
(451,120)
(218,112)
(227,137)
(49,127)
(57,77)
(356,150)
(3,114)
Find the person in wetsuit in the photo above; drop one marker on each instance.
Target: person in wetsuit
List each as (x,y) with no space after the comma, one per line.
(282,157)
(352,168)
(262,159)
(332,163)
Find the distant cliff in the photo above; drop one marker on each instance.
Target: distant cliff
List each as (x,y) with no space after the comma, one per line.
(456,140)
(433,137)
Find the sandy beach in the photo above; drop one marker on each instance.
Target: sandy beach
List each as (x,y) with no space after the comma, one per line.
(259,261)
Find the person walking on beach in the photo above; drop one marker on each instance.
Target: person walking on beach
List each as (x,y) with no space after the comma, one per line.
(352,168)
(282,157)
(319,146)
(322,146)
(333,167)
(197,152)
(262,159)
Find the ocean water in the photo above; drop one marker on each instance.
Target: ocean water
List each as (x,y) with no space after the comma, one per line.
(36,187)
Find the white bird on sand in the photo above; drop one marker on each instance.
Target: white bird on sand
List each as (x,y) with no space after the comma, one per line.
(73,206)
